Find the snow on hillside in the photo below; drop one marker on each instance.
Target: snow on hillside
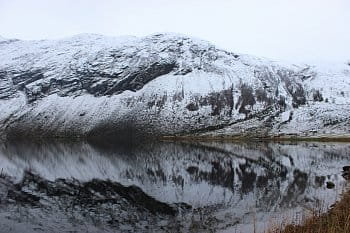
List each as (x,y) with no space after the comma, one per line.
(163,84)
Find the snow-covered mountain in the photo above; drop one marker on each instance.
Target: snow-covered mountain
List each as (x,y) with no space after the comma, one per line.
(163,84)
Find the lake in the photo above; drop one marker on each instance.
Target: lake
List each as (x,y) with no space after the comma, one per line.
(79,186)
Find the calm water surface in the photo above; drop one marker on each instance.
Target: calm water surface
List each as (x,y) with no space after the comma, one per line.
(164,187)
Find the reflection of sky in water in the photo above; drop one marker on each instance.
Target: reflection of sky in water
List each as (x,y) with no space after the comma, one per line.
(235,181)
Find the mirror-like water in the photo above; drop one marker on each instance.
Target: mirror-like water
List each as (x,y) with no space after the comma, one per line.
(164,187)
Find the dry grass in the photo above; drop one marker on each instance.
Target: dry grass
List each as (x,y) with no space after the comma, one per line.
(336,220)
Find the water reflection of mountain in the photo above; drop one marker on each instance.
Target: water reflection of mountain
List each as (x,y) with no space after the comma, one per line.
(230,181)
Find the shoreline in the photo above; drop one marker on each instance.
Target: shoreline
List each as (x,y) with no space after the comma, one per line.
(189,138)
(328,138)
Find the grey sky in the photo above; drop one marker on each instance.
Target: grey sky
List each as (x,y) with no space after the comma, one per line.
(294,30)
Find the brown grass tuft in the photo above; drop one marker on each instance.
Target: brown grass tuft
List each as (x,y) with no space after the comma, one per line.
(336,220)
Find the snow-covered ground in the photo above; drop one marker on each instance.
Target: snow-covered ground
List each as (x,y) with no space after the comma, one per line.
(164,84)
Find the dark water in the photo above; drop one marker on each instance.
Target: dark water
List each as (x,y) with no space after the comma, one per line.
(164,187)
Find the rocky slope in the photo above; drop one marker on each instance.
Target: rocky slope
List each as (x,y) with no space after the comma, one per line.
(163,84)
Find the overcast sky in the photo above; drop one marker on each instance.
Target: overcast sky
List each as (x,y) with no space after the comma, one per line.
(293,30)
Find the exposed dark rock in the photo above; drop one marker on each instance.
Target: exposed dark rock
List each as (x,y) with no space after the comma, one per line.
(282,103)
(25,78)
(262,96)
(317,95)
(346,175)
(192,107)
(319,180)
(218,101)
(6,89)
(330,185)
(298,95)
(192,170)
(246,99)
(346,172)
(346,168)
(135,81)
(23,197)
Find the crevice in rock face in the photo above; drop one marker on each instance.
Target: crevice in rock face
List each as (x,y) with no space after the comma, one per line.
(25,78)
(95,83)
(296,90)
(25,82)
(6,87)
(135,81)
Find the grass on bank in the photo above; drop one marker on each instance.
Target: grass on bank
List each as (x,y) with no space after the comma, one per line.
(336,220)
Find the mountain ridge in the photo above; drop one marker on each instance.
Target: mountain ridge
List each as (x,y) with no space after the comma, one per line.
(161,85)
